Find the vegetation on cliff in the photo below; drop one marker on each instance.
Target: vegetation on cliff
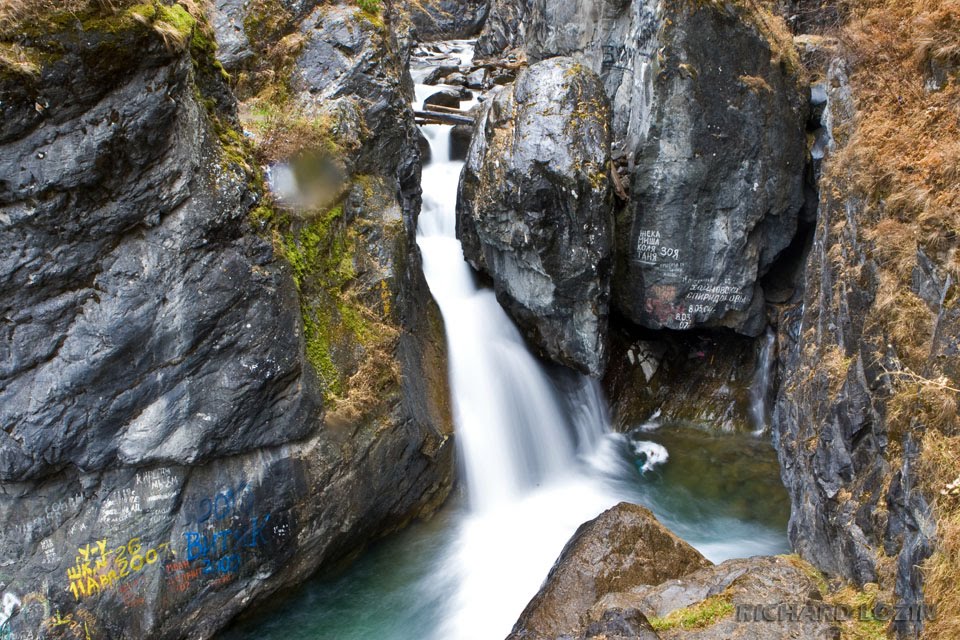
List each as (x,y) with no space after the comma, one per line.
(901,158)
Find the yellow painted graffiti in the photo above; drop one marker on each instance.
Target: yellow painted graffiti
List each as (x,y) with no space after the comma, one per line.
(99,567)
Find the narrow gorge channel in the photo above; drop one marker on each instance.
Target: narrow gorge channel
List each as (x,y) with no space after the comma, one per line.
(538,458)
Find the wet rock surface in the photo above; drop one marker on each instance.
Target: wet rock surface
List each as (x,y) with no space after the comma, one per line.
(701,378)
(623,547)
(167,458)
(534,208)
(708,114)
(447,19)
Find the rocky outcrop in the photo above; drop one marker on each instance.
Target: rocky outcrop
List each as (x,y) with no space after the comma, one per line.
(504,29)
(534,209)
(851,495)
(709,112)
(710,140)
(446,19)
(623,575)
(760,598)
(621,548)
(165,447)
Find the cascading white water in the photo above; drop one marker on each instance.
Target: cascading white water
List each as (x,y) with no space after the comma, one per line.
(538,459)
(760,386)
(537,463)
(518,442)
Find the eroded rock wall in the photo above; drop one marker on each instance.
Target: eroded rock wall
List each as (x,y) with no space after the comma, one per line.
(535,208)
(848,463)
(172,450)
(709,112)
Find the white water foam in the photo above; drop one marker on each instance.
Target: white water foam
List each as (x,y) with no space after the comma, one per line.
(528,490)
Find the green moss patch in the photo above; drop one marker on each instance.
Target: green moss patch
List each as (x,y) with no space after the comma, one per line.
(697,616)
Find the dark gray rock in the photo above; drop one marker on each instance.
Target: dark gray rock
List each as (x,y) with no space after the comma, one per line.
(709,113)
(622,548)
(534,208)
(446,19)
(226,17)
(443,98)
(144,325)
(477,79)
(164,461)
(346,64)
(824,525)
(439,73)
(504,29)
(245,31)
(460,136)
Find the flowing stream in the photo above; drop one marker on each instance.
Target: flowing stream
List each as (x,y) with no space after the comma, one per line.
(538,459)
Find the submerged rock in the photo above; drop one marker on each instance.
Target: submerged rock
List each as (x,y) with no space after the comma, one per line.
(534,208)
(622,548)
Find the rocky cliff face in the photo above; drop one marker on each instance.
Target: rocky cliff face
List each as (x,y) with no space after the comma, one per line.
(849,458)
(708,114)
(166,457)
(534,208)
(504,28)
(446,19)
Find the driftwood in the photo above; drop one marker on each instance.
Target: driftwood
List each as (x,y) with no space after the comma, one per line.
(438,117)
(437,107)
(618,183)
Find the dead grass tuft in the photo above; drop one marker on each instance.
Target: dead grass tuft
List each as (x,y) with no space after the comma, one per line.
(940,470)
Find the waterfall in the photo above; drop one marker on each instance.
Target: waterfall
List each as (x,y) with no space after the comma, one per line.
(760,386)
(521,443)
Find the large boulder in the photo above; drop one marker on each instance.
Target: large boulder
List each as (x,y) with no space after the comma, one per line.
(622,548)
(534,208)
(165,446)
(709,112)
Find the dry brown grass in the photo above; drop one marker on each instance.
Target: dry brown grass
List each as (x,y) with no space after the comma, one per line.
(904,154)
(940,470)
(906,147)
(902,157)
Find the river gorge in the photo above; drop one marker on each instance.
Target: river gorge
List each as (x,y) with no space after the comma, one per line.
(479,319)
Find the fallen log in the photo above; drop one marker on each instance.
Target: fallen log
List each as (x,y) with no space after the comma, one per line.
(443,109)
(436,117)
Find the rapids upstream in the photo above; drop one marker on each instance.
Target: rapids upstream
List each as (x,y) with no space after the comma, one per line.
(538,459)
